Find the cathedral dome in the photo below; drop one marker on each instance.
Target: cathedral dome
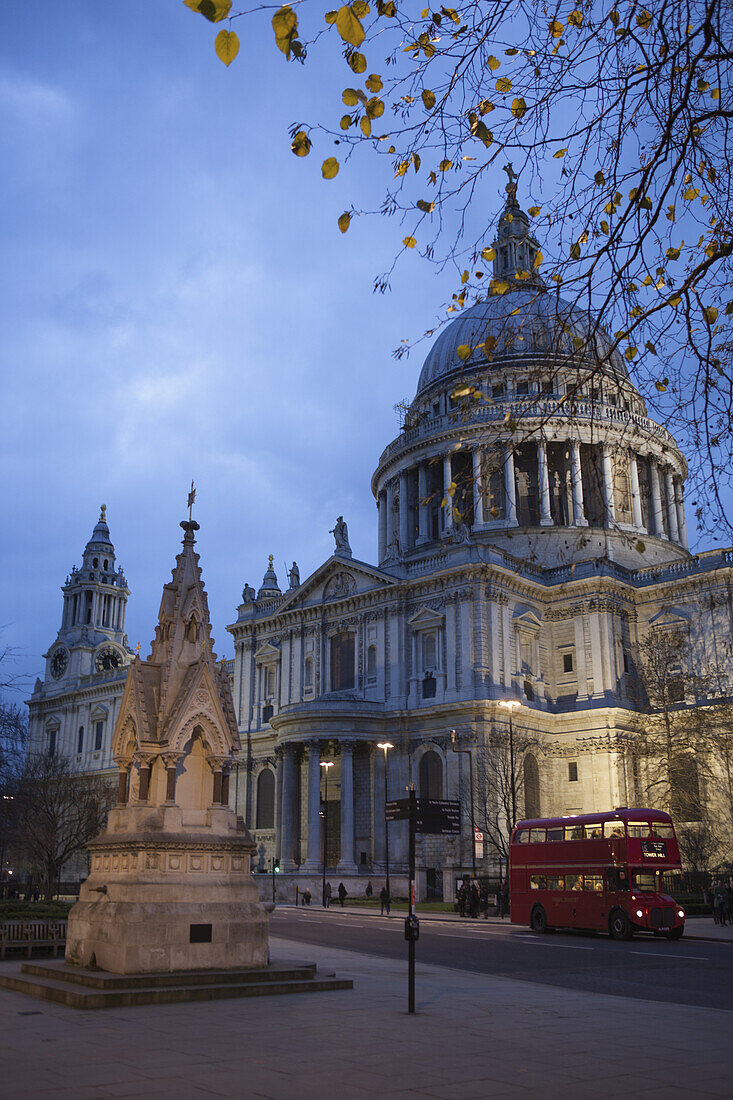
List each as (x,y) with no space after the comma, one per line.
(525,322)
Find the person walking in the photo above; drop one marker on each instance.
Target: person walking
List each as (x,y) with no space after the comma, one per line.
(327,896)
(369,889)
(720,899)
(341,893)
(384,900)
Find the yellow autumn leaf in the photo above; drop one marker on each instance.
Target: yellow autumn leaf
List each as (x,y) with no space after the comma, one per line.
(672,253)
(330,168)
(373,83)
(630,353)
(556,28)
(575,19)
(488,254)
(575,251)
(428,99)
(599,178)
(503,84)
(344,221)
(519,108)
(213,10)
(348,26)
(538,260)
(498,286)
(463,351)
(710,314)
(226,45)
(301,144)
(691,193)
(445,165)
(534,211)
(426,206)
(409,242)
(402,168)
(366,126)
(605,227)
(357,63)
(285,26)
(375,108)
(715,94)
(644,19)
(360,8)
(493,63)
(559,153)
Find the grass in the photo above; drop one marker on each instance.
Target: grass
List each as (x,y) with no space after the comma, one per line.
(401,904)
(33,910)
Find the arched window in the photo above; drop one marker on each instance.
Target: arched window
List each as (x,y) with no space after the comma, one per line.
(371,664)
(431,775)
(531,787)
(266,799)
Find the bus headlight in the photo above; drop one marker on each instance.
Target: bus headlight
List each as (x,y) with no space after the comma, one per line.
(639,913)
(681,913)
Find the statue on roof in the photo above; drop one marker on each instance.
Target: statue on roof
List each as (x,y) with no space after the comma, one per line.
(294,576)
(341,537)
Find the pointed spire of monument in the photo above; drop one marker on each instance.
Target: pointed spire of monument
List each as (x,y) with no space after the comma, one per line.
(516,249)
(269,588)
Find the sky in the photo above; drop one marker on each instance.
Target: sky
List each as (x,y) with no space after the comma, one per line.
(177,302)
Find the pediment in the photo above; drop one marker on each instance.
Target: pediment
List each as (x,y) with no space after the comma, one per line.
(670,618)
(527,617)
(337,579)
(267,652)
(426,619)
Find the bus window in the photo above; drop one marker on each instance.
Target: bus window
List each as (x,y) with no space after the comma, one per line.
(663,830)
(593,882)
(617,878)
(638,828)
(645,882)
(573,832)
(538,836)
(554,882)
(522,837)
(555,834)
(594,831)
(537,882)
(573,882)
(614,828)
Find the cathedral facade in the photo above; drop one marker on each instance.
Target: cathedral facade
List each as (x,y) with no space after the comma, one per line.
(531,534)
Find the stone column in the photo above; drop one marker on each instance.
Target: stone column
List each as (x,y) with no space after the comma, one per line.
(122,783)
(225,785)
(422,506)
(478,490)
(404,516)
(674,533)
(609,502)
(382,513)
(347,863)
(287,812)
(637,514)
(313,860)
(656,500)
(447,482)
(145,763)
(388,522)
(681,517)
(579,519)
(170,759)
(510,489)
(544,478)
(378,799)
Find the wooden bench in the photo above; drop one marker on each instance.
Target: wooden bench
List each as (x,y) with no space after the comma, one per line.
(24,935)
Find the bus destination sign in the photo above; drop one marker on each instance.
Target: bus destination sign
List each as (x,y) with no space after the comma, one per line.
(654,849)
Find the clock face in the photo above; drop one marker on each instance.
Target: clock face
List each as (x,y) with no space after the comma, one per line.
(108,659)
(59,661)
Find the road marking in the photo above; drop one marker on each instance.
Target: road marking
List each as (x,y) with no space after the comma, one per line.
(661,955)
(531,943)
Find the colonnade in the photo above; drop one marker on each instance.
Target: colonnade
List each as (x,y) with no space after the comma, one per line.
(664,498)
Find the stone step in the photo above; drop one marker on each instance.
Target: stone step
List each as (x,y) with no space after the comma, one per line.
(73,996)
(100,979)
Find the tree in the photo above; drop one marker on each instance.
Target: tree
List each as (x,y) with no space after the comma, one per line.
(56,812)
(505,783)
(616,116)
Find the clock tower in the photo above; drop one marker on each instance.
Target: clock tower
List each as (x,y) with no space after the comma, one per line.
(72,711)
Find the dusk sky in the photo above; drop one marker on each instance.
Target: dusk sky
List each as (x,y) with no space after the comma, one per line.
(179,303)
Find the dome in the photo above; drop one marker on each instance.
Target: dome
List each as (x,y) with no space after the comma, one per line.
(524,322)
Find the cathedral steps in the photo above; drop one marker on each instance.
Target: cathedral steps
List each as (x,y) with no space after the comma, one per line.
(89,989)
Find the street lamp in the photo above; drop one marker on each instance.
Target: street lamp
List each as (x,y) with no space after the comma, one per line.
(511,705)
(325,764)
(469,754)
(386,746)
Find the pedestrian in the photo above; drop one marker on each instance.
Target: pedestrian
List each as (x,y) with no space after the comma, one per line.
(306,896)
(384,900)
(341,893)
(369,889)
(505,898)
(327,896)
(484,899)
(462,900)
(720,898)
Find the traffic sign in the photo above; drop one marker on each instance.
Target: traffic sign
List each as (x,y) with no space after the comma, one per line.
(437,816)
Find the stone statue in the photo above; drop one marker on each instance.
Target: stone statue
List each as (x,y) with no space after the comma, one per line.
(341,537)
(294,576)
(513,177)
(248,594)
(394,550)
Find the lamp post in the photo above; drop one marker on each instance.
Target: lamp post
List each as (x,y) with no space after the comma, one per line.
(325,764)
(385,746)
(468,753)
(511,705)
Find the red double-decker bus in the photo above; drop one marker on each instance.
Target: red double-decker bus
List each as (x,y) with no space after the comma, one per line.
(596,871)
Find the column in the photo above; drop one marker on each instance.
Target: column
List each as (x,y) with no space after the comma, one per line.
(544,477)
(122,784)
(422,505)
(379,796)
(635,493)
(313,861)
(510,489)
(579,519)
(170,759)
(681,517)
(656,500)
(216,799)
(287,815)
(609,502)
(382,513)
(404,532)
(225,785)
(674,533)
(389,502)
(347,863)
(447,482)
(478,490)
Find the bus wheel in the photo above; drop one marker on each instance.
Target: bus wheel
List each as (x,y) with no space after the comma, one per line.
(675,934)
(538,920)
(620,926)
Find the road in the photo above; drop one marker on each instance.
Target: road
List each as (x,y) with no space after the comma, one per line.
(692,972)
